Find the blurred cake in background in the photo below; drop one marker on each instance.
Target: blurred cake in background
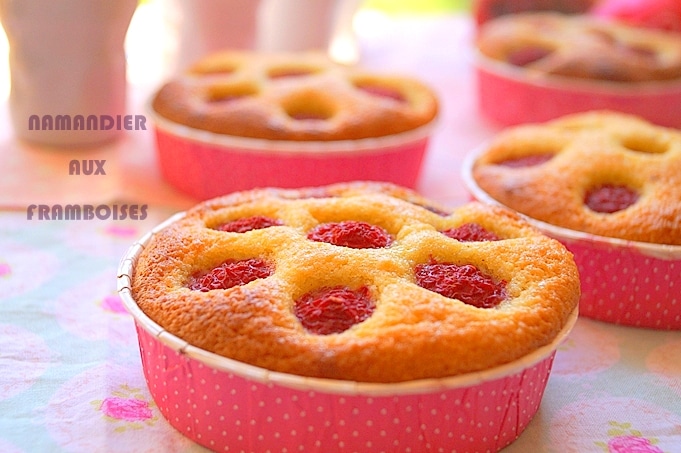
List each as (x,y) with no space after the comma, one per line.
(582,47)
(236,120)
(484,10)
(537,66)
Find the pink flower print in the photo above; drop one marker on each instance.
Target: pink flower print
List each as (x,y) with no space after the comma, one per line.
(631,444)
(5,269)
(128,409)
(121,231)
(113,303)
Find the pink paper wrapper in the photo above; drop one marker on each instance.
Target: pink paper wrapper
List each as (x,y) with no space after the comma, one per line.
(509,95)
(227,405)
(623,282)
(205,165)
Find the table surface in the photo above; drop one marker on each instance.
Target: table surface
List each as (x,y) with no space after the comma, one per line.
(67,346)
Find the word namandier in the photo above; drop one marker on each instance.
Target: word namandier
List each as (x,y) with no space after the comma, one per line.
(87,123)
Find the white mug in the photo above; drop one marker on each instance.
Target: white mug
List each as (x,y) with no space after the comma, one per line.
(300,25)
(205,26)
(67,69)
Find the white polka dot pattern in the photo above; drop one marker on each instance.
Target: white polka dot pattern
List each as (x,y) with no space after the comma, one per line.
(622,285)
(230,413)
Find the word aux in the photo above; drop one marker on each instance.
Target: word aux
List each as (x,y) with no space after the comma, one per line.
(87,167)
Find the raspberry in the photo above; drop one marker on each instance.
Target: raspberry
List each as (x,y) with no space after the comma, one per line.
(465,283)
(610,198)
(639,51)
(231,273)
(334,309)
(248,224)
(384,92)
(285,73)
(351,233)
(432,209)
(527,161)
(226,98)
(470,232)
(308,116)
(527,55)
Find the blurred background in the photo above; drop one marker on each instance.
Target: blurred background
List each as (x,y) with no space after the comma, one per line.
(150,42)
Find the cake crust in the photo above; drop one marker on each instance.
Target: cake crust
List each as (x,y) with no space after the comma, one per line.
(413,333)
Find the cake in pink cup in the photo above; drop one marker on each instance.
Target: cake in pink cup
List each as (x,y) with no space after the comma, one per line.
(534,67)
(239,120)
(357,315)
(607,185)
(485,10)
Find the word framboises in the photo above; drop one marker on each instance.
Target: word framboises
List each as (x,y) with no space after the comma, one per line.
(86,212)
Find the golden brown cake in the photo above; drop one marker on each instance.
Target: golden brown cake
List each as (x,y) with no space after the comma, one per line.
(582,47)
(297,96)
(604,173)
(357,281)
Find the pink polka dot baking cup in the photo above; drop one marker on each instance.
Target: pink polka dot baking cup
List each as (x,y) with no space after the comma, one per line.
(509,95)
(205,165)
(623,282)
(227,405)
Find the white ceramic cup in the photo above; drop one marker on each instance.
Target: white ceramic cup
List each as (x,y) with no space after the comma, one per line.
(202,27)
(67,59)
(206,26)
(302,25)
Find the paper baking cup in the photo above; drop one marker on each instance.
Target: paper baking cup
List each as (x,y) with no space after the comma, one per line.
(230,406)
(510,95)
(205,165)
(623,282)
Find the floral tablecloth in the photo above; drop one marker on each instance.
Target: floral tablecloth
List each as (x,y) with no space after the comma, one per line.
(72,378)
(70,373)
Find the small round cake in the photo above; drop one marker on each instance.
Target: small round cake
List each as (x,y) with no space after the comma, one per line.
(582,47)
(601,172)
(293,97)
(357,281)
(485,10)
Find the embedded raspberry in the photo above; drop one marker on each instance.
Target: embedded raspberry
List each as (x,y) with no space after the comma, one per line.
(226,98)
(465,283)
(639,51)
(433,209)
(289,73)
(249,223)
(470,232)
(334,309)
(383,92)
(527,55)
(351,233)
(308,116)
(527,161)
(231,273)
(610,198)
